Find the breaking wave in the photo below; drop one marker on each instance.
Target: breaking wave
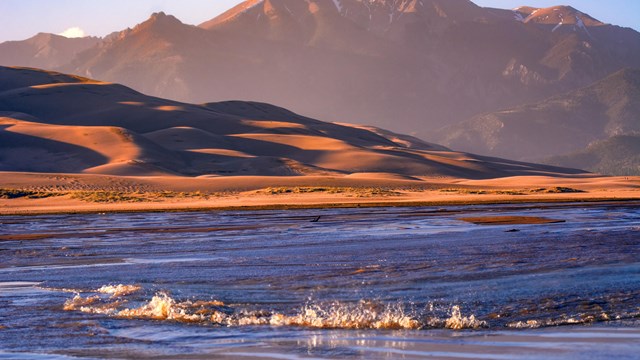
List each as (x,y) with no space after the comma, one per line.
(575,320)
(119,290)
(129,302)
(111,301)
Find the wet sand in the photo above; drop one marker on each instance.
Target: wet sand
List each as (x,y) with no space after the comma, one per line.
(561,343)
(510,220)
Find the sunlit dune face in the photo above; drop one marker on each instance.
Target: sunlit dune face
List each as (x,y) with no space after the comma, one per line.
(302,142)
(132,103)
(56,85)
(169,108)
(8,121)
(273,124)
(158,108)
(223,152)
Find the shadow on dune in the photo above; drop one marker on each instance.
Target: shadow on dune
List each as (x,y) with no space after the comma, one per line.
(19,152)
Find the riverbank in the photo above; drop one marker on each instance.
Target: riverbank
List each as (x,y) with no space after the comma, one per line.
(29,193)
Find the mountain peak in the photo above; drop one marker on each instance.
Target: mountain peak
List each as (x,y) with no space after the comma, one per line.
(525,10)
(162,19)
(558,15)
(160,22)
(242,8)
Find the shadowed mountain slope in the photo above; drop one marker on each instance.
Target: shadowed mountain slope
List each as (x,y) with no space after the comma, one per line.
(412,66)
(558,125)
(617,155)
(44,50)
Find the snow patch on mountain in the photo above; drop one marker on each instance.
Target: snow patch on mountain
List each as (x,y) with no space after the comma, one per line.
(518,16)
(338,5)
(557,26)
(580,24)
(250,6)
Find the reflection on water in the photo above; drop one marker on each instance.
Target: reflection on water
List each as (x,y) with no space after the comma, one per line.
(374,283)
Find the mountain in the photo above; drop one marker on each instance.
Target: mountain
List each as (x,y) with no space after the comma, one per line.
(557,16)
(156,56)
(52,122)
(412,66)
(617,155)
(559,125)
(44,50)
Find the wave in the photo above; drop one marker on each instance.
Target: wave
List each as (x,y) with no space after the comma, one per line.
(119,290)
(582,319)
(119,301)
(335,315)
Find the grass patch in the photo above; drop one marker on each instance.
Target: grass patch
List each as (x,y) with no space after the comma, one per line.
(186,195)
(483,192)
(104,196)
(510,220)
(108,196)
(28,194)
(131,197)
(556,190)
(358,192)
(553,190)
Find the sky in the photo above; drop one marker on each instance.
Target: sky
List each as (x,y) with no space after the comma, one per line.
(22,19)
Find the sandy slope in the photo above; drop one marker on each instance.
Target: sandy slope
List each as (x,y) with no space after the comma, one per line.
(51,122)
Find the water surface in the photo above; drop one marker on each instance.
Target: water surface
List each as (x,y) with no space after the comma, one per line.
(357,283)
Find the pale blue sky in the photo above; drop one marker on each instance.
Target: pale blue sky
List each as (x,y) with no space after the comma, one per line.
(21,19)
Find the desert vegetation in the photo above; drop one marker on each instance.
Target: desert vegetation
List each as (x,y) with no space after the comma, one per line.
(348,191)
(551,190)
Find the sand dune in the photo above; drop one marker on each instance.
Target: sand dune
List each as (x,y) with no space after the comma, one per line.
(41,147)
(75,144)
(60,123)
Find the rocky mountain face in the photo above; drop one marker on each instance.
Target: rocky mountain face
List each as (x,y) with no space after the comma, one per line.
(414,66)
(47,51)
(617,155)
(569,123)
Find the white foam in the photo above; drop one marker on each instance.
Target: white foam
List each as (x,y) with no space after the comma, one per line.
(337,315)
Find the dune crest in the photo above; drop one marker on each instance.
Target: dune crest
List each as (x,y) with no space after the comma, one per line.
(77,125)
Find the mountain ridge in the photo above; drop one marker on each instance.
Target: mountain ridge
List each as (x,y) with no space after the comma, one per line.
(44,50)
(618,155)
(558,125)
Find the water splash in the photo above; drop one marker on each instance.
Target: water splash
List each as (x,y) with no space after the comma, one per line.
(128,302)
(119,290)
(362,315)
(459,322)
(580,319)
(335,315)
